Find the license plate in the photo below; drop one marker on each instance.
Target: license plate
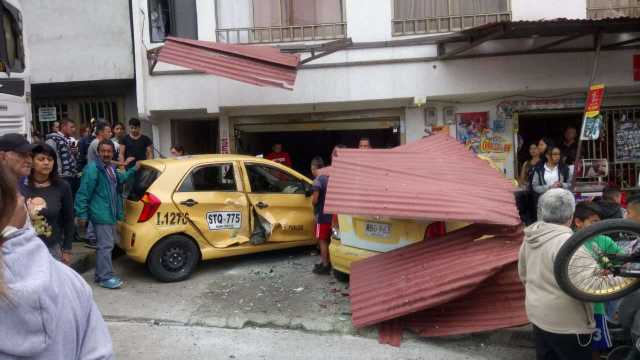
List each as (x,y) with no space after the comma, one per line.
(377,230)
(221,220)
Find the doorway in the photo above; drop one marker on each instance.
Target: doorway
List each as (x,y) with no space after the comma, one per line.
(534,126)
(303,146)
(196,136)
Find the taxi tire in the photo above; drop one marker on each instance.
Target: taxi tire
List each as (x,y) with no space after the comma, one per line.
(169,243)
(340,276)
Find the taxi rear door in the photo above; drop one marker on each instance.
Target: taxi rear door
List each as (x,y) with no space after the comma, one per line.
(210,196)
(279,198)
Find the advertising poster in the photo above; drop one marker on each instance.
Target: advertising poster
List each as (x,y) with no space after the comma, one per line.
(470,127)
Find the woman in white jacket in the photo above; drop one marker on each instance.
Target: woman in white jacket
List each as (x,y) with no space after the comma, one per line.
(46,309)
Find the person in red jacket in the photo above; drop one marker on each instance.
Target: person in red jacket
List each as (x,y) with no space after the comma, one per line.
(279,156)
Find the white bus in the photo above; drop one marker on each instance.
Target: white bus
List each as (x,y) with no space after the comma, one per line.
(15,85)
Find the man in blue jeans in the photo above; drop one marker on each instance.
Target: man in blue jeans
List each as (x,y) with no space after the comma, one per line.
(98,200)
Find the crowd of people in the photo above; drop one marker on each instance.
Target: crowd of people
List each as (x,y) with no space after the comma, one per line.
(565,328)
(549,166)
(73,187)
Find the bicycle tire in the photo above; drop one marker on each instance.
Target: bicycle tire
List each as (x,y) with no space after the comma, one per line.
(561,264)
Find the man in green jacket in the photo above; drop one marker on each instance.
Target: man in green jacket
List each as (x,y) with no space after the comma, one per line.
(98,200)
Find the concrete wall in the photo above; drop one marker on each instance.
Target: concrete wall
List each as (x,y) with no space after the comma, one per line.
(78,40)
(516,74)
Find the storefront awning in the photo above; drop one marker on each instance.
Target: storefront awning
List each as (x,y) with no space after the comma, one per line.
(510,38)
(256,65)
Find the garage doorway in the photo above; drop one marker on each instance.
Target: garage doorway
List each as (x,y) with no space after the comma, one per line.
(303,146)
(196,136)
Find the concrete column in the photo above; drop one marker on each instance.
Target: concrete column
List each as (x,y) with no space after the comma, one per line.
(224,133)
(414,123)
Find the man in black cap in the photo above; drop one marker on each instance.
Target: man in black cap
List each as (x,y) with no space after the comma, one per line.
(15,154)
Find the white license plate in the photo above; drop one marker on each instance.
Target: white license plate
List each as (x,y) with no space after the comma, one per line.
(220,220)
(377,230)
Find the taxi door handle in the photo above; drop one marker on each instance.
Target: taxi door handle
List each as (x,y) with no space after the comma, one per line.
(189,203)
(262,205)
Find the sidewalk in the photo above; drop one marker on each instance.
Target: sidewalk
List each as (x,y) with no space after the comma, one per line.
(84,259)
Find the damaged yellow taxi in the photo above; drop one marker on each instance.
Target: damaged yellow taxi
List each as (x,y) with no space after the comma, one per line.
(181,211)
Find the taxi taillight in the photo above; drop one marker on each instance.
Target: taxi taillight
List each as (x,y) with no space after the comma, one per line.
(151,205)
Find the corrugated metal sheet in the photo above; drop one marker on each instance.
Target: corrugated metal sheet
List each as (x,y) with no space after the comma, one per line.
(257,65)
(435,178)
(433,273)
(496,303)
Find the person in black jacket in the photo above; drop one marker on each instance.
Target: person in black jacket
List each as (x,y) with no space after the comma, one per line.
(551,174)
(610,203)
(50,204)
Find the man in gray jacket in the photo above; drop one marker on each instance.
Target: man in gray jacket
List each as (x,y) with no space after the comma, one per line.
(562,326)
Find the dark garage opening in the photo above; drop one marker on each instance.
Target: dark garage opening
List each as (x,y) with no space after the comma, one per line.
(303,146)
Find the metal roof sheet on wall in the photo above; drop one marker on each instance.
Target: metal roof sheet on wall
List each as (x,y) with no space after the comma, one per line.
(431,273)
(257,65)
(435,178)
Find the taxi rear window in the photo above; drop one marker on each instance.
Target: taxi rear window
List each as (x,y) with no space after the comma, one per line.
(145,176)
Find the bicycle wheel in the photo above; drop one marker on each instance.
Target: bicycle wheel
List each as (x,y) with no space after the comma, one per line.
(594,264)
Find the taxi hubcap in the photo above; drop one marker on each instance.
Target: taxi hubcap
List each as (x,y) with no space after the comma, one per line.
(174,259)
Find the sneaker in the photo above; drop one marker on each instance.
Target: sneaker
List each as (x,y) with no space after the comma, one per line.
(91,244)
(322,270)
(113,283)
(317,266)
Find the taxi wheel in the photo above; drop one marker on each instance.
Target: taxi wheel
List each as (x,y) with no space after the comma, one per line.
(340,276)
(173,258)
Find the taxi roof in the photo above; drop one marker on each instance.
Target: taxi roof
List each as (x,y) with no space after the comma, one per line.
(196,159)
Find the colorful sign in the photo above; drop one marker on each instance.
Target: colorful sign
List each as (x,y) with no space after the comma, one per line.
(470,127)
(591,127)
(594,100)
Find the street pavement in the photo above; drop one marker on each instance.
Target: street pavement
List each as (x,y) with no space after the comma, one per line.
(261,306)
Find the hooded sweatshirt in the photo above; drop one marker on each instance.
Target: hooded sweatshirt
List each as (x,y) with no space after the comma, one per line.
(48,312)
(547,306)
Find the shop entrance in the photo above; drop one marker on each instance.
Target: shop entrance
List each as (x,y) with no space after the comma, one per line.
(196,136)
(535,126)
(303,146)
(611,159)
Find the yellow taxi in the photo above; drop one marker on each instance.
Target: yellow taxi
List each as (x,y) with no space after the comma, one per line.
(359,237)
(181,211)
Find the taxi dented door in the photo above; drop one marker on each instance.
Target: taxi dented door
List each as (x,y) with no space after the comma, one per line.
(280,201)
(211,198)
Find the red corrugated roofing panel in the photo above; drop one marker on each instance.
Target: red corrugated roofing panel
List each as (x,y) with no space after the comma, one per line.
(435,178)
(257,65)
(496,304)
(431,273)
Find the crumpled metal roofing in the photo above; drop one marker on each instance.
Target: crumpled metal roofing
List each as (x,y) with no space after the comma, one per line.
(257,65)
(435,178)
(496,303)
(442,274)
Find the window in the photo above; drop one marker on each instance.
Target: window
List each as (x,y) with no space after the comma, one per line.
(263,21)
(602,9)
(219,177)
(267,179)
(144,178)
(172,18)
(435,16)
(11,43)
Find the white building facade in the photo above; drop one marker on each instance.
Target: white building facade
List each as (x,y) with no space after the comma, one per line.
(391,85)
(82,60)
